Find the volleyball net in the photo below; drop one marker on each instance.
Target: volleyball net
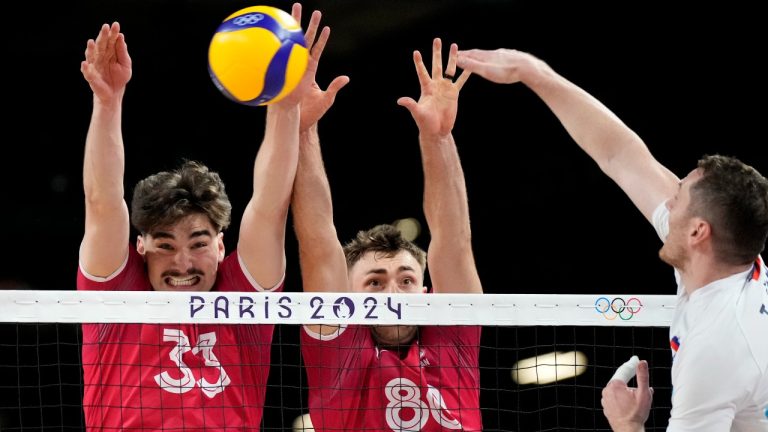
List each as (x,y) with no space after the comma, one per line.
(542,360)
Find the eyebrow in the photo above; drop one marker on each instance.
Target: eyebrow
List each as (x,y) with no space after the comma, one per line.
(167,235)
(383,271)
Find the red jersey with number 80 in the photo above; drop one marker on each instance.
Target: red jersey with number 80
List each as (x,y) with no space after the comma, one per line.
(353,385)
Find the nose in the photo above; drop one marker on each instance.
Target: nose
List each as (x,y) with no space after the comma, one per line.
(392,287)
(182,260)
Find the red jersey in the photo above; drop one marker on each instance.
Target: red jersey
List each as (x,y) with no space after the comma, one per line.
(354,385)
(184,377)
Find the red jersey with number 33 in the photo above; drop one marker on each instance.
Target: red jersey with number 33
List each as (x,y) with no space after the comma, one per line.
(187,377)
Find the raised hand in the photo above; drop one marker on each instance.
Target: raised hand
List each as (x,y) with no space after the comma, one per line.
(435,112)
(315,101)
(107,65)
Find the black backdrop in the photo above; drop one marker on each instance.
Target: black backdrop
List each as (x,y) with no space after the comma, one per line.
(545,219)
(685,76)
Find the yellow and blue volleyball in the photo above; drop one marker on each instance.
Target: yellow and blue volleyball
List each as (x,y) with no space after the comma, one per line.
(258,55)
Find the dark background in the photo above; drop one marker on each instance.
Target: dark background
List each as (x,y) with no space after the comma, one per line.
(688,78)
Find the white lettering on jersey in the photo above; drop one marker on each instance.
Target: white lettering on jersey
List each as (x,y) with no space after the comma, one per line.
(404,394)
(205,343)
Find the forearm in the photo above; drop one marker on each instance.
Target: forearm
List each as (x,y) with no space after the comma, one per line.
(261,241)
(450,256)
(618,150)
(107,222)
(104,160)
(312,203)
(275,165)
(595,128)
(445,193)
(323,265)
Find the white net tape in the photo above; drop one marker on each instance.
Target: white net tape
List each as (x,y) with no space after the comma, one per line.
(335,308)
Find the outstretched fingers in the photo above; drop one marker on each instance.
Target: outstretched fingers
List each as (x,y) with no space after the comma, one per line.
(311,33)
(337,84)
(437,58)
(319,45)
(453,57)
(421,70)
(450,69)
(296,12)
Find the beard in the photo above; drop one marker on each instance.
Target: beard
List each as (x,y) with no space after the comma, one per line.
(393,336)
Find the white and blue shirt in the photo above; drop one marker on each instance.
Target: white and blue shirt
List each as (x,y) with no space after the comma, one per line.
(719,341)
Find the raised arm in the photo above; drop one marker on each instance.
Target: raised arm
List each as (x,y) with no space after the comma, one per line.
(261,243)
(451,261)
(619,152)
(323,266)
(107,69)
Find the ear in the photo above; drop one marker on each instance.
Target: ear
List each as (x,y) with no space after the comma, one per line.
(220,246)
(140,248)
(701,231)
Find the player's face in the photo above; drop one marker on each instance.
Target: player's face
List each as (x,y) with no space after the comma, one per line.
(675,249)
(184,256)
(376,273)
(400,274)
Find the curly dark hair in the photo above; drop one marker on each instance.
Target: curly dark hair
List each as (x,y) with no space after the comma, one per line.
(385,239)
(733,198)
(163,199)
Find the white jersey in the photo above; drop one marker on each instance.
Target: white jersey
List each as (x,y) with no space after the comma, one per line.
(719,340)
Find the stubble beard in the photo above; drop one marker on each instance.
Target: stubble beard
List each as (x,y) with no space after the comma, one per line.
(394,336)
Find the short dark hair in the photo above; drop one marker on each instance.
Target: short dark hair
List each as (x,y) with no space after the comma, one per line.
(733,198)
(163,199)
(385,239)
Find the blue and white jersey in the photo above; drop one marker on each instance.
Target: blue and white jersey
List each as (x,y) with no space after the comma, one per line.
(719,341)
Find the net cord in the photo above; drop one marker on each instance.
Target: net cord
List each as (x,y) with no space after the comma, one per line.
(50,306)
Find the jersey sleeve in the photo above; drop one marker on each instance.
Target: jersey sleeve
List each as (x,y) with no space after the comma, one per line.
(660,220)
(233,276)
(129,277)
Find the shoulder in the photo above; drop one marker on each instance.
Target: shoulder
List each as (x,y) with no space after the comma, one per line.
(233,276)
(130,276)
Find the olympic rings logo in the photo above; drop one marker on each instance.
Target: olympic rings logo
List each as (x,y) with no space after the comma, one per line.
(618,307)
(249,19)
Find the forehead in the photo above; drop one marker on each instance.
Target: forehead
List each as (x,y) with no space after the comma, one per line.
(192,223)
(377,261)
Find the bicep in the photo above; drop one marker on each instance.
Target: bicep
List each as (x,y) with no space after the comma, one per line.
(261,245)
(103,249)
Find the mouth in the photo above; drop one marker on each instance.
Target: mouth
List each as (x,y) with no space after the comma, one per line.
(184,282)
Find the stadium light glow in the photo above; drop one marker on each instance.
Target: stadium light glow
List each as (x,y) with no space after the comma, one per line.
(549,368)
(303,424)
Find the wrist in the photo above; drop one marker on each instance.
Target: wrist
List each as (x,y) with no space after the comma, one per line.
(629,427)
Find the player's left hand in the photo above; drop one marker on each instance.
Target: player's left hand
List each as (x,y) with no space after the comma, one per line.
(435,112)
(627,408)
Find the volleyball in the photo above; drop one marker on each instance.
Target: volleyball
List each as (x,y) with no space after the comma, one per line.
(258,55)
